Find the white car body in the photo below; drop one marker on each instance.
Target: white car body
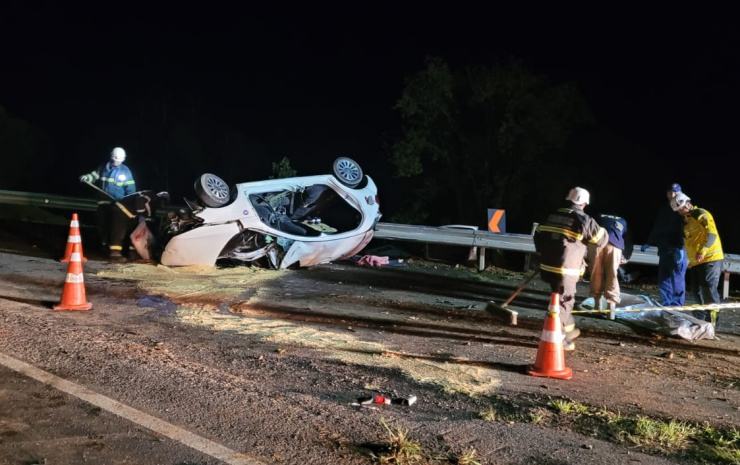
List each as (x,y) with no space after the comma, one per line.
(239,230)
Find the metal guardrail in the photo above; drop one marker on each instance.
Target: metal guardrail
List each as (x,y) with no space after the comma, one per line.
(46,200)
(414,233)
(513,242)
(53,201)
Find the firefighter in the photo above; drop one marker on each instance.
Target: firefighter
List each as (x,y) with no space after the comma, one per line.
(116,180)
(561,243)
(704,250)
(604,262)
(130,211)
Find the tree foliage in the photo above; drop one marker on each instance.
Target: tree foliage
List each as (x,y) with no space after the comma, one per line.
(23,147)
(473,137)
(282,169)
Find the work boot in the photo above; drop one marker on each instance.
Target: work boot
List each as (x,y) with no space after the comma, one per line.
(713,314)
(571,335)
(568,346)
(115,256)
(612,310)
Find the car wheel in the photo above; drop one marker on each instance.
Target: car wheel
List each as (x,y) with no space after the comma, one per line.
(347,171)
(212,190)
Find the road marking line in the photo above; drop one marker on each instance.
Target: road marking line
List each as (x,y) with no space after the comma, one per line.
(173,432)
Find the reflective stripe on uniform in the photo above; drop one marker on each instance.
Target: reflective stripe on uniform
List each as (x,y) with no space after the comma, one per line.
(115,247)
(563,271)
(569,328)
(118,183)
(598,236)
(561,231)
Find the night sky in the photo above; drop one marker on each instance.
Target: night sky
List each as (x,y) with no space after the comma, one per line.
(313,83)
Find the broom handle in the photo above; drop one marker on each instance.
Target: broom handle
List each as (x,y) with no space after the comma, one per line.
(522,286)
(118,204)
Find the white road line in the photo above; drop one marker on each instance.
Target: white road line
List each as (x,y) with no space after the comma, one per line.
(155,424)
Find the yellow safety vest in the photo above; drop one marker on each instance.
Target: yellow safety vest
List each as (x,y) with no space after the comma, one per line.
(698,229)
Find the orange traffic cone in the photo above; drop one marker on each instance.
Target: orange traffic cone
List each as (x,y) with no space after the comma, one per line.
(73,295)
(550,361)
(73,238)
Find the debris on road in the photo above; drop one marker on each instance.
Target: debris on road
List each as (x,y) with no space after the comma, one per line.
(382,400)
(373,260)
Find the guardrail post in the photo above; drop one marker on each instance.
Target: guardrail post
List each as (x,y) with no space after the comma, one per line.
(481,258)
(528,256)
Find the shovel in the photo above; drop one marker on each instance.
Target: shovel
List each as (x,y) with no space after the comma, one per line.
(499,309)
(118,204)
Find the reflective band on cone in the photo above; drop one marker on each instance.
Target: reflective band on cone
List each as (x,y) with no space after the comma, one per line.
(550,361)
(73,294)
(74,238)
(75,278)
(552,336)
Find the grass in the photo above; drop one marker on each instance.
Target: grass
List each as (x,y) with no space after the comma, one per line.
(504,412)
(724,447)
(538,415)
(665,436)
(728,455)
(671,438)
(468,458)
(566,407)
(489,414)
(402,450)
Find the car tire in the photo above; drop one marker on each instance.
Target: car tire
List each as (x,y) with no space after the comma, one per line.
(212,190)
(347,171)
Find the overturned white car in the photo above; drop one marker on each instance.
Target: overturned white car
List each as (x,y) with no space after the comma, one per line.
(278,223)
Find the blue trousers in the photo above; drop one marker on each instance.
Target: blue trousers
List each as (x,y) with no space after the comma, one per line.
(672,267)
(705,283)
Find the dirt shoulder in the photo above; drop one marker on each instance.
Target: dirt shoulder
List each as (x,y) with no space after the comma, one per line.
(268,363)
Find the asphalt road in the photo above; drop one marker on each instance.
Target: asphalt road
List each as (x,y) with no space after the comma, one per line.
(209,366)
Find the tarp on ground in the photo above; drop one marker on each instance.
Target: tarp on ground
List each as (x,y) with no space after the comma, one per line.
(667,322)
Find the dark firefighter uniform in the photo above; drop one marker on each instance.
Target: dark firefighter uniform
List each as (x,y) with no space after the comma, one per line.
(561,242)
(133,208)
(116,181)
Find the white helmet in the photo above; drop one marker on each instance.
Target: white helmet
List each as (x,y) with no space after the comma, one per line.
(679,201)
(118,154)
(578,195)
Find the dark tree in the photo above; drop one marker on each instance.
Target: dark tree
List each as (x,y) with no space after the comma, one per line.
(473,138)
(24,148)
(282,169)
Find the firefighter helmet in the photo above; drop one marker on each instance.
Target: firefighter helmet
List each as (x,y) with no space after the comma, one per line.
(578,195)
(118,154)
(679,201)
